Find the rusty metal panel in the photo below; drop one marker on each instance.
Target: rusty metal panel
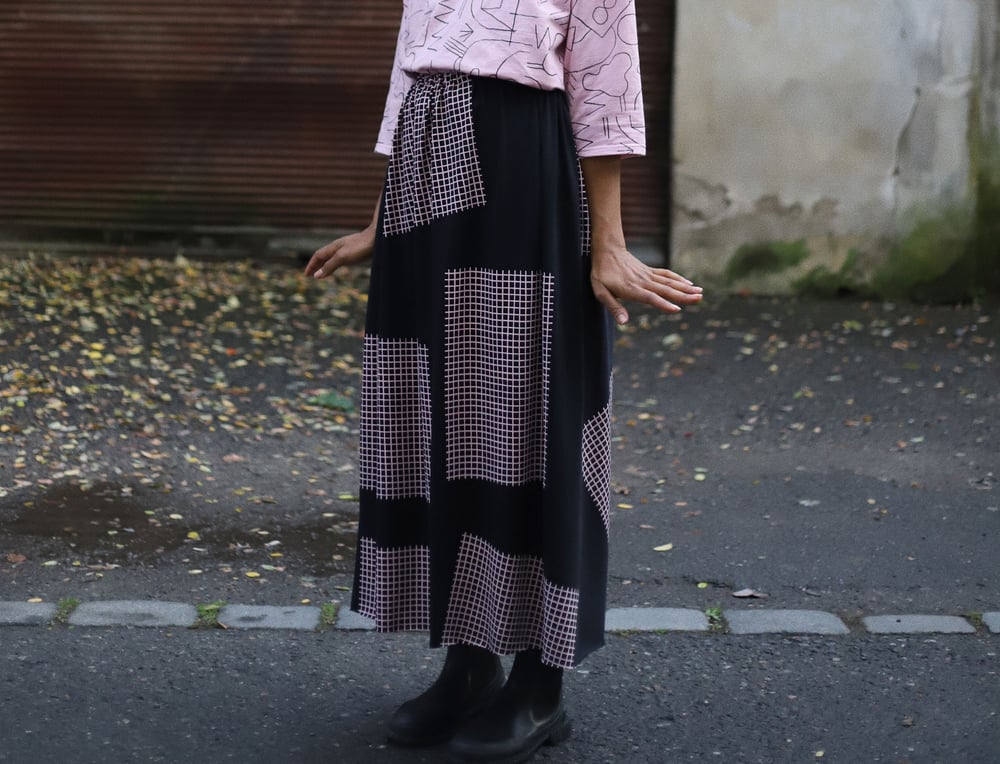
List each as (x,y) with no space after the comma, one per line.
(209,114)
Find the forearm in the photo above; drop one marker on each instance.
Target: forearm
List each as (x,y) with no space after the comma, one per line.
(378,209)
(602,178)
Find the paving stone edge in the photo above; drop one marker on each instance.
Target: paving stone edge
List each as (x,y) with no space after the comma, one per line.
(154,613)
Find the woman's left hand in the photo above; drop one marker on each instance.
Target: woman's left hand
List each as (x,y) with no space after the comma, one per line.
(616,274)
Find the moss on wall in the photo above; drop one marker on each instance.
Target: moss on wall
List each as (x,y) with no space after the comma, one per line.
(765,257)
(953,254)
(931,263)
(986,236)
(847,280)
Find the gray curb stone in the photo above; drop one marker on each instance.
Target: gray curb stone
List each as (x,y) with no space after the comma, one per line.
(655,619)
(173,614)
(26,613)
(918,624)
(297,618)
(133,613)
(348,620)
(783,622)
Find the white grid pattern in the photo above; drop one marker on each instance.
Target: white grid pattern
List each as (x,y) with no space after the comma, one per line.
(597,462)
(498,347)
(395,456)
(434,167)
(585,235)
(504,603)
(394,586)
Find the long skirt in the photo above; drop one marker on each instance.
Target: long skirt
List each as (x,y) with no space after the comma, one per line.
(485,409)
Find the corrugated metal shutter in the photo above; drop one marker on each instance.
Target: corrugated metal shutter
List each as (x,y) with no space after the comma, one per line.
(192,112)
(210,114)
(646,182)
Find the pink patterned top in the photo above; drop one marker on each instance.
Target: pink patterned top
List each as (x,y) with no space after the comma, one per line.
(586,47)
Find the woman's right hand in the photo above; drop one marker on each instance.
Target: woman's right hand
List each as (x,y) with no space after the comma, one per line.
(347,250)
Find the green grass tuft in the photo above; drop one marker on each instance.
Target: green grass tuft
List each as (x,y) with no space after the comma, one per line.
(208,615)
(64,609)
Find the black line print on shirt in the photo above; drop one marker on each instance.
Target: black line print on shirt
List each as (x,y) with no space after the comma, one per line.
(588,48)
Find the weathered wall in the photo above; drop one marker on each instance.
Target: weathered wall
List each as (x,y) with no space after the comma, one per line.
(990,25)
(829,121)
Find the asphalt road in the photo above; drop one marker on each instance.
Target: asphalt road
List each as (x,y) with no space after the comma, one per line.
(96,695)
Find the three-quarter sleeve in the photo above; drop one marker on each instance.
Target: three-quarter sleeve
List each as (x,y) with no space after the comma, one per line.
(399,84)
(602,78)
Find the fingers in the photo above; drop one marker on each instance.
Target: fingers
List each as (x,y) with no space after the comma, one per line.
(672,275)
(347,250)
(316,264)
(671,279)
(657,300)
(324,261)
(615,308)
(681,291)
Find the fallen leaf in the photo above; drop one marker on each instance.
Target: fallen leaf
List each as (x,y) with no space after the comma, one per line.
(16,558)
(663,548)
(749,594)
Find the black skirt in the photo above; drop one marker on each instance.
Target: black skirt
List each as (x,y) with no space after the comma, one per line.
(485,412)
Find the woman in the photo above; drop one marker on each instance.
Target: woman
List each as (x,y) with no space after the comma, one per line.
(485,412)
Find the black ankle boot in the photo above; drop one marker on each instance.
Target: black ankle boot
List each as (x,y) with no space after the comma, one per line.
(471,678)
(527,714)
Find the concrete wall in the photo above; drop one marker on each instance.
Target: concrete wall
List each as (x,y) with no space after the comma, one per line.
(829,121)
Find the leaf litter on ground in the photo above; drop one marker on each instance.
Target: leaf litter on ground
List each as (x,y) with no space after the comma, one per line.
(107,364)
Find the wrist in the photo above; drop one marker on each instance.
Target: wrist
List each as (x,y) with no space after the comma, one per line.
(607,241)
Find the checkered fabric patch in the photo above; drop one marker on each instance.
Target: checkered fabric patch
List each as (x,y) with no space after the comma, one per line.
(505,604)
(395,456)
(597,462)
(498,345)
(394,586)
(434,169)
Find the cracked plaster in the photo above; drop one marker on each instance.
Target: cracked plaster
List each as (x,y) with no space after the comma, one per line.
(823,120)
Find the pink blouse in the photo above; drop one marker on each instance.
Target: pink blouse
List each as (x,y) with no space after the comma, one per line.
(586,47)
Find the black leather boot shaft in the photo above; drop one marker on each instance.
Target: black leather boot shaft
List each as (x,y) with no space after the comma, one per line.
(527,714)
(470,679)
